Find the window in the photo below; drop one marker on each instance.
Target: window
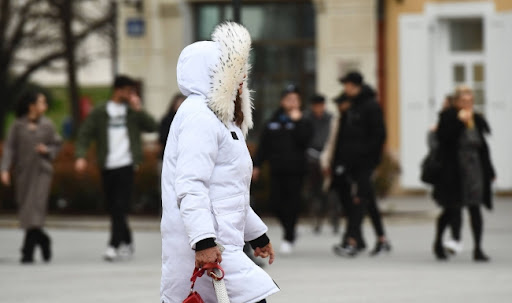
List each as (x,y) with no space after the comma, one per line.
(466,35)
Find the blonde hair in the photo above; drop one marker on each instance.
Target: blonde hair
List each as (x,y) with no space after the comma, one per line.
(462,90)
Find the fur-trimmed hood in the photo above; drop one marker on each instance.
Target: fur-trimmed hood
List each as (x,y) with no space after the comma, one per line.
(214,70)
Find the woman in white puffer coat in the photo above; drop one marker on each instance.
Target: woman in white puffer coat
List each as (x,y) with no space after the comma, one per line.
(207,173)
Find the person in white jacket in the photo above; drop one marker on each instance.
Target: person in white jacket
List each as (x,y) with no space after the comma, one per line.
(207,173)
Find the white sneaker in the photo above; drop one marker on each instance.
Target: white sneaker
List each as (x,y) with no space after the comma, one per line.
(453,247)
(110,254)
(126,251)
(286,248)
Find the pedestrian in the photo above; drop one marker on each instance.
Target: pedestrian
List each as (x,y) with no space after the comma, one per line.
(283,144)
(116,127)
(165,123)
(207,174)
(356,150)
(320,121)
(453,245)
(31,146)
(466,170)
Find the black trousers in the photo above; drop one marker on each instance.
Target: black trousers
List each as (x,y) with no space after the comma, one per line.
(453,217)
(352,186)
(117,185)
(285,191)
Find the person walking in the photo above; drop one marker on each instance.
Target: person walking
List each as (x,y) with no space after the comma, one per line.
(355,151)
(467,172)
(283,144)
(116,128)
(207,174)
(320,121)
(165,123)
(32,144)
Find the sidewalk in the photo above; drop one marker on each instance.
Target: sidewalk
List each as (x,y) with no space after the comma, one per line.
(312,274)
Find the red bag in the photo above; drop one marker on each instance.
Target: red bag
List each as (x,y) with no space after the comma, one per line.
(194,297)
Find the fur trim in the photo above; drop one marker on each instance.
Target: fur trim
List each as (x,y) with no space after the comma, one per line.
(234,43)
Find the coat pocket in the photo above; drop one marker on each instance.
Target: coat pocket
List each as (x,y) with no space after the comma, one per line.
(230,213)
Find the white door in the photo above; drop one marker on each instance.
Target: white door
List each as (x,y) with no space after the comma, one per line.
(414,97)
(470,70)
(498,43)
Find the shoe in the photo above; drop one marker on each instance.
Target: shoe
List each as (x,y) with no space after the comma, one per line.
(286,248)
(453,247)
(439,252)
(29,244)
(110,254)
(381,247)
(345,250)
(479,256)
(126,251)
(46,247)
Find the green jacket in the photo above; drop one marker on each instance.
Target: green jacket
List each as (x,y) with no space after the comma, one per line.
(95,127)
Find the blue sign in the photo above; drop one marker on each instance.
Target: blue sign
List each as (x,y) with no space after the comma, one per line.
(135,27)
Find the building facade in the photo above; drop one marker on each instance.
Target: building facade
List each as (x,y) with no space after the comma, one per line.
(433,46)
(307,43)
(414,51)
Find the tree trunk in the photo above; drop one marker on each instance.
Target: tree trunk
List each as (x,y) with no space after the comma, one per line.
(71,68)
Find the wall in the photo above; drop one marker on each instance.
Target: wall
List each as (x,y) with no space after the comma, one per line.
(394,8)
(346,38)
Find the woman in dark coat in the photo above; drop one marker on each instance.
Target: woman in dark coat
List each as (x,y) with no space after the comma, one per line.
(30,147)
(467,171)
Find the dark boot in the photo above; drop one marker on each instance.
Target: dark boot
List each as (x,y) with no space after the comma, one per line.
(480,256)
(439,251)
(29,244)
(45,242)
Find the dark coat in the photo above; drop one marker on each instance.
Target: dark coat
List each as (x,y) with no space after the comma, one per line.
(362,133)
(283,144)
(448,191)
(163,130)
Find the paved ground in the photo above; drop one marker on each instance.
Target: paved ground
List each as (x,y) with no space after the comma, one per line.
(311,274)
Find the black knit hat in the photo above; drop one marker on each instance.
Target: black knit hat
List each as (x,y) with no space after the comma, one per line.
(317,99)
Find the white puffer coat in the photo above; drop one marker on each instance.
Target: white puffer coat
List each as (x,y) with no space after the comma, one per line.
(207,173)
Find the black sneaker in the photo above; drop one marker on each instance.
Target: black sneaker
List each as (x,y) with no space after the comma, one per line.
(345,250)
(381,247)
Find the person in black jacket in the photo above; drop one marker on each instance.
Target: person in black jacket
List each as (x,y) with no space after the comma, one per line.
(283,144)
(165,123)
(358,151)
(467,170)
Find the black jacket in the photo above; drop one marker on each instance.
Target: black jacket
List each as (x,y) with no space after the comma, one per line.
(362,133)
(163,130)
(448,191)
(283,144)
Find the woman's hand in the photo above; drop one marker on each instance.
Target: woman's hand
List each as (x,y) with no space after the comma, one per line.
(42,149)
(264,252)
(465,115)
(6,178)
(209,255)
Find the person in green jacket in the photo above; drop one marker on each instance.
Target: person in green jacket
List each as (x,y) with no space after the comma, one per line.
(116,128)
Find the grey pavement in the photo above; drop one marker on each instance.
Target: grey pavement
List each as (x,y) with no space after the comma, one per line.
(311,274)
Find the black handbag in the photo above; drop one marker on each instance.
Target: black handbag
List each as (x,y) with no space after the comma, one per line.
(431,167)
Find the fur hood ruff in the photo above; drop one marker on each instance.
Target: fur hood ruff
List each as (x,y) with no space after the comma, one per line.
(214,70)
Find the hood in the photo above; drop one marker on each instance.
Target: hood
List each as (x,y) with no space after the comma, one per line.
(215,69)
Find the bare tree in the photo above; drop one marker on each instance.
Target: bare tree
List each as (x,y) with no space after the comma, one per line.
(38,34)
